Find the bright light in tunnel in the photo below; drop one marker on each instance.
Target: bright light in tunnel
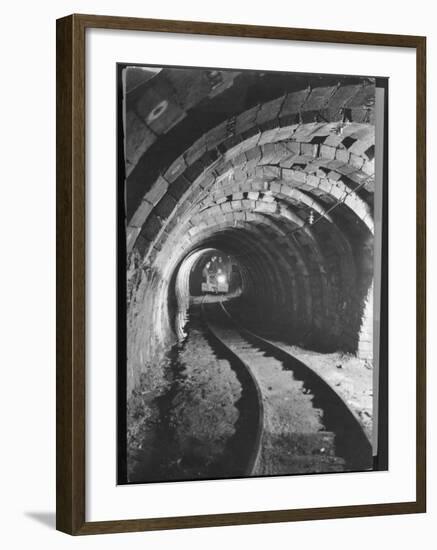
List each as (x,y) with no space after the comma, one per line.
(221,279)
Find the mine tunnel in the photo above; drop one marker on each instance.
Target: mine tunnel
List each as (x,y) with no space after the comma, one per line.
(280,179)
(273,175)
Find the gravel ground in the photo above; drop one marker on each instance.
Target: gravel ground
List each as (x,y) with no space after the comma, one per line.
(182,429)
(350,377)
(204,409)
(295,439)
(183,416)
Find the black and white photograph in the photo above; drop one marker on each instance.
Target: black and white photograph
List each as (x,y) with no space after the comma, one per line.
(217,275)
(251,257)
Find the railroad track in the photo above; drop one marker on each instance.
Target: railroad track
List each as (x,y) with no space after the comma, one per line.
(296,423)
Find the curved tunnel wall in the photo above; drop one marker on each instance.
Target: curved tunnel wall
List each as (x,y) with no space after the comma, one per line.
(286,188)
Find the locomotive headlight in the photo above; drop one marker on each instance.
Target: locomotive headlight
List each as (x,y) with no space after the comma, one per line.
(221,279)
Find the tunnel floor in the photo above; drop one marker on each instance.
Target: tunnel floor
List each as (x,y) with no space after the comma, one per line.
(202,423)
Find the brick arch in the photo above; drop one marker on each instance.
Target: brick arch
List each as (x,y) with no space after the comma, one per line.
(331,173)
(245,211)
(256,178)
(326,127)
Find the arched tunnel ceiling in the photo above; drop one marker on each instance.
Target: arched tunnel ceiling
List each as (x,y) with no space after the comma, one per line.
(278,172)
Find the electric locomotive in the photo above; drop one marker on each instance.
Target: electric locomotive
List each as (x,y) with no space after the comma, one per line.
(216,280)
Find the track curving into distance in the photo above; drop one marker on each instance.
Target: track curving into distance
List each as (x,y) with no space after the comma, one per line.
(296,423)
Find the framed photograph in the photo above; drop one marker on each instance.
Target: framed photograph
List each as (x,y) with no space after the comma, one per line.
(240,274)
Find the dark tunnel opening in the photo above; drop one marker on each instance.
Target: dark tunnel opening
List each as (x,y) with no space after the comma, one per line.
(284,291)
